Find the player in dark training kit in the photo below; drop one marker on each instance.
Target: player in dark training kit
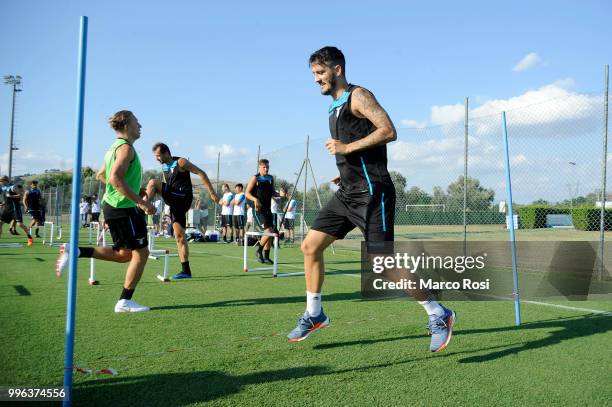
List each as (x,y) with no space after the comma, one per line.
(10,207)
(32,200)
(177,192)
(360,129)
(260,190)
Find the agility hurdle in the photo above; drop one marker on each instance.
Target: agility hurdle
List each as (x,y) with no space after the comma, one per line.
(274,267)
(155,254)
(92,226)
(59,235)
(100,241)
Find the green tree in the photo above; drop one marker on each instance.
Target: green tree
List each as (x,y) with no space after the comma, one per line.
(88,172)
(399,182)
(439,198)
(478,197)
(149,175)
(416,196)
(541,201)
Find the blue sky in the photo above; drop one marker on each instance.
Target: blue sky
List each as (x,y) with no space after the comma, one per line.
(203,74)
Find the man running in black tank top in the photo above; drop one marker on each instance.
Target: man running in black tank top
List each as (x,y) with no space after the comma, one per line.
(32,200)
(260,190)
(177,192)
(360,129)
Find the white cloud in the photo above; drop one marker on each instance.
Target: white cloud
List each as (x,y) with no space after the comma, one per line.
(552,110)
(226,150)
(547,127)
(33,162)
(447,114)
(413,124)
(527,62)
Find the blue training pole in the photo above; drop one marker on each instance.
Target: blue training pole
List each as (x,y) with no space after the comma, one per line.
(74,217)
(517,302)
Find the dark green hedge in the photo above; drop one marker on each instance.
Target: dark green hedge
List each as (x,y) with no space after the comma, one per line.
(533,217)
(589,218)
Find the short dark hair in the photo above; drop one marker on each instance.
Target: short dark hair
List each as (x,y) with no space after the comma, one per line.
(264,161)
(239,185)
(34,182)
(163,148)
(330,56)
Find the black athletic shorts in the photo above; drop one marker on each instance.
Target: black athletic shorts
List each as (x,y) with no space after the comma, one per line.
(127,226)
(6,216)
(265,218)
(16,212)
(373,214)
(179,203)
(226,221)
(289,224)
(238,221)
(95,216)
(37,215)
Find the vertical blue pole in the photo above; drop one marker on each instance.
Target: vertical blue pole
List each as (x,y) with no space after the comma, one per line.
(74,217)
(517,302)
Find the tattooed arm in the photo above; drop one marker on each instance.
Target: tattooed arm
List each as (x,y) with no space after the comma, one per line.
(365,105)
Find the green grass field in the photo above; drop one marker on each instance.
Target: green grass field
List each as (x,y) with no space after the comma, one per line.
(219,339)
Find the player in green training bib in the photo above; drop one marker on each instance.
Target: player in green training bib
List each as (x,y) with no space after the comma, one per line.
(124,210)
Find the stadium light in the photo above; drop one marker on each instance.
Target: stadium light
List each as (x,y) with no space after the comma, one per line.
(15,82)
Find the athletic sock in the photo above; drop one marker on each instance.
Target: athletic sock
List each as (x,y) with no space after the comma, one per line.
(259,249)
(29,236)
(432,308)
(267,254)
(86,251)
(313,303)
(185,268)
(126,294)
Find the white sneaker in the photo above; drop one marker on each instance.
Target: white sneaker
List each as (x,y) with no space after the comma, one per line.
(62,260)
(129,306)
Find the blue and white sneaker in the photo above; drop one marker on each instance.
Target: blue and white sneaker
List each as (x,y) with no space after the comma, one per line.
(180,276)
(307,325)
(441,330)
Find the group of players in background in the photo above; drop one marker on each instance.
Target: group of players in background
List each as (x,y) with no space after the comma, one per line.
(360,129)
(12,199)
(237,213)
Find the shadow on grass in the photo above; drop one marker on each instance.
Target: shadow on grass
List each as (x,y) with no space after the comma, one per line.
(261,301)
(561,329)
(178,389)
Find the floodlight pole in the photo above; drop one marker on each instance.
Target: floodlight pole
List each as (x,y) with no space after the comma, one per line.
(604,165)
(14,81)
(305,190)
(465,180)
(217,189)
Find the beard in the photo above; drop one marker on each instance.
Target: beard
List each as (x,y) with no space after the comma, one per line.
(333,82)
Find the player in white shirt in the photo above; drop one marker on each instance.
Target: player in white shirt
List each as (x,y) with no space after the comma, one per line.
(83,209)
(238,213)
(276,212)
(158,204)
(290,211)
(249,217)
(227,204)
